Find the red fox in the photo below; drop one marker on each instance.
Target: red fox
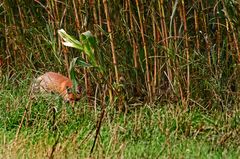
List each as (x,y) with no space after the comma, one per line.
(52,82)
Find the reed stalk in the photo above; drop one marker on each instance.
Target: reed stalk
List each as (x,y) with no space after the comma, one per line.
(114,58)
(155,64)
(145,53)
(205,32)
(186,50)
(196,25)
(164,33)
(234,36)
(135,50)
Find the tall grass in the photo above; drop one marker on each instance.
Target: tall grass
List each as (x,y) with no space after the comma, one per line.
(163,51)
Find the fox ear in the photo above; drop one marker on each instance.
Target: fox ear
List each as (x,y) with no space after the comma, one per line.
(68,89)
(79,89)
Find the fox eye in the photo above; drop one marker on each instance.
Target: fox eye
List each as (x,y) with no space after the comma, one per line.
(68,89)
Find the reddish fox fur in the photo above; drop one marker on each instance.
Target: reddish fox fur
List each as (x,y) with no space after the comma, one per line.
(52,82)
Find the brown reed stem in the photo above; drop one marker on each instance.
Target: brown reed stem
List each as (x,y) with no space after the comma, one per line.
(135,52)
(100,18)
(235,41)
(114,58)
(155,53)
(165,39)
(196,25)
(94,10)
(218,36)
(205,33)
(145,53)
(186,48)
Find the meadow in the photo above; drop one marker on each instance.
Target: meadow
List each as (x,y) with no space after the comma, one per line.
(31,129)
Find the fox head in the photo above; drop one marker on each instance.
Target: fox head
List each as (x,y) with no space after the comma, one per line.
(71,95)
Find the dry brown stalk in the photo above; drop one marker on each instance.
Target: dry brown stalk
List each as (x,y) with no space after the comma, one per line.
(218,36)
(186,50)
(196,25)
(95,18)
(205,32)
(155,54)
(114,58)
(229,40)
(100,18)
(135,52)
(21,16)
(145,53)
(76,16)
(235,41)
(164,33)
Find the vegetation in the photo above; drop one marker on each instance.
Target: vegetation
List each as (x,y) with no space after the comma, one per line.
(160,78)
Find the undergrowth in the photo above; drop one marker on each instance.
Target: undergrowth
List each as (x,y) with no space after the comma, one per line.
(51,129)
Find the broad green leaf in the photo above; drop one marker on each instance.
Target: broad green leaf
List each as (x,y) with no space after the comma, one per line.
(91,39)
(87,41)
(69,40)
(86,45)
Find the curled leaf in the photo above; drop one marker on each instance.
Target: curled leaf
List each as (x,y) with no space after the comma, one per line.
(69,40)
